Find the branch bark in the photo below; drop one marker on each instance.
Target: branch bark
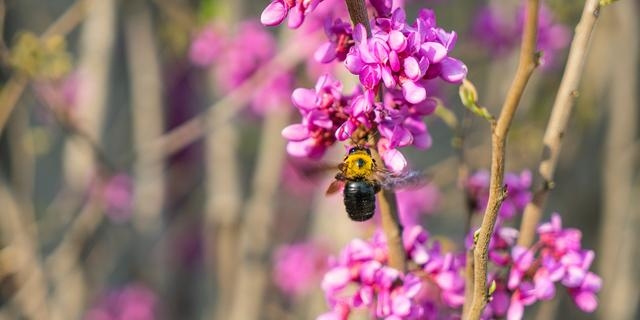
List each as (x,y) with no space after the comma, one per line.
(562,106)
(255,237)
(526,66)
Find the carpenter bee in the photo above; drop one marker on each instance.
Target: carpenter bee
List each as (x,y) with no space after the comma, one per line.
(362,179)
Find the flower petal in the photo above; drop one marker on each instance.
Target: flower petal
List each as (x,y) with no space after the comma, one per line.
(453,70)
(295,132)
(274,13)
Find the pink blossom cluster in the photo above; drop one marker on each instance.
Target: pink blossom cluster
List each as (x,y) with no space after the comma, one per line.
(359,278)
(525,276)
(235,57)
(518,188)
(299,266)
(403,57)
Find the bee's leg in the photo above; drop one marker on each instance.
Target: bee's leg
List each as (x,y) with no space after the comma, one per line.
(376,186)
(340,176)
(341,167)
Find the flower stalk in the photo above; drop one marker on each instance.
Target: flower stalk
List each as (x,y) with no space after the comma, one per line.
(560,113)
(527,63)
(386,199)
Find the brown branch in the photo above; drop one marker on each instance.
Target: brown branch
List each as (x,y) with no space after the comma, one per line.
(256,229)
(562,106)
(527,64)
(386,199)
(359,15)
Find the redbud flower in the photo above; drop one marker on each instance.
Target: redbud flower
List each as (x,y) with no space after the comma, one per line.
(400,55)
(340,41)
(246,52)
(206,46)
(277,10)
(322,111)
(297,267)
(118,198)
(518,192)
(134,301)
(500,33)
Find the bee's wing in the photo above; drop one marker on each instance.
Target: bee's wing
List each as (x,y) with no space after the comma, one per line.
(334,187)
(408,180)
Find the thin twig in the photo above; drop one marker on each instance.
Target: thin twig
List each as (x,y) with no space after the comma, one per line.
(386,199)
(562,106)
(527,64)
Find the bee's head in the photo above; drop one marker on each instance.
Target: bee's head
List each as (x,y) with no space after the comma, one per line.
(359,148)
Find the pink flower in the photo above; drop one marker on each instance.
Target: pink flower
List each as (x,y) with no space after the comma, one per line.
(133,301)
(118,197)
(277,10)
(322,111)
(206,46)
(297,267)
(518,192)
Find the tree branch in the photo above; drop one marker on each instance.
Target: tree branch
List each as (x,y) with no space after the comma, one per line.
(527,63)
(386,199)
(562,106)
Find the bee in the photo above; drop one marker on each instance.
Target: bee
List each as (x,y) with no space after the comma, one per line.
(362,179)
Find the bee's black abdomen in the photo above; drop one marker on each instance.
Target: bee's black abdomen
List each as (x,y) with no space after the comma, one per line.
(359,199)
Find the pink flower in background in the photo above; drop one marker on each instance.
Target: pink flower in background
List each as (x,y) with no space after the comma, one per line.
(131,302)
(518,192)
(118,197)
(247,51)
(414,203)
(275,94)
(206,46)
(61,94)
(298,267)
(500,33)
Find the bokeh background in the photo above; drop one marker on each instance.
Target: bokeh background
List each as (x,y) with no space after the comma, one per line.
(143,174)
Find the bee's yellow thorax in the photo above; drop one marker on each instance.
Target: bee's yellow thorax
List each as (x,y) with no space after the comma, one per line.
(358,165)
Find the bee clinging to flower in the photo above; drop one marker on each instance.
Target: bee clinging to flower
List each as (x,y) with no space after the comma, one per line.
(361,179)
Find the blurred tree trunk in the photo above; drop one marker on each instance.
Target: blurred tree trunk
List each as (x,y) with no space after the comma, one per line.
(619,237)
(94,65)
(147,113)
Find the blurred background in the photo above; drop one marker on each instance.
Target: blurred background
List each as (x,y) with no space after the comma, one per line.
(143,174)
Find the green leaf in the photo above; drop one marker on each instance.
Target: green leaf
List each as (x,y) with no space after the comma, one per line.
(469,98)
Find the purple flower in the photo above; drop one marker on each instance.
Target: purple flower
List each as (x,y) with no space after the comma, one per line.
(277,10)
(413,203)
(322,111)
(243,55)
(206,46)
(400,55)
(298,267)
(500,33)
(385,292)
(518,193)
(273,95)
(118,197)
(134,301)
(340,41)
